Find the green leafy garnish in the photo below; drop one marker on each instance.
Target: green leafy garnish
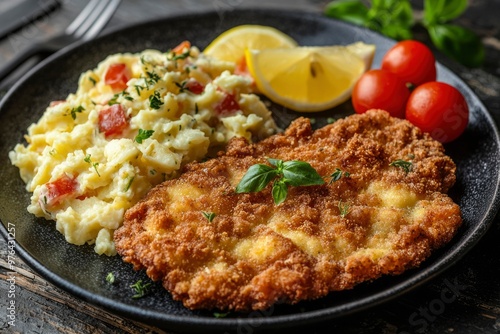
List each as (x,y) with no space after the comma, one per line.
(87,159)
(129,183)
(155,101)
(183,55)
(143,134)
(220,315)
(153,77)
(182,86)
(114,99)
(78,109)
(338,174)
(407,166)
(284,173)
(209,215)
(110,278)
(138,89)
(344,209)
(140,289)
(393,18)
(396,19)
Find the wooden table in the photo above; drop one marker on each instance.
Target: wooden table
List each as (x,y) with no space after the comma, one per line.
(43,308)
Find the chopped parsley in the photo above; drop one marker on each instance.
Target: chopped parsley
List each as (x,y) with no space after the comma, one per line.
(182,86)
(153,77)
(140,289)
(183,55)
(220,315)
(92,80)
(139,89)
(209,215)
(78,109)
(344,209)
(110,278)
(129,183)
(114,99)
(143,134)
(87,159)
(155,101)
(407,166)
(338,174)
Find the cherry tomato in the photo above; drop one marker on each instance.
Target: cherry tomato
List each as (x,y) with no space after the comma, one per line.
(117,76)
(412,61)
(378,89)
(113,120)
(439,109)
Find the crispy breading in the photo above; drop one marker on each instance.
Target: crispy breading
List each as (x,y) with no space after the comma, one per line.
(378,220)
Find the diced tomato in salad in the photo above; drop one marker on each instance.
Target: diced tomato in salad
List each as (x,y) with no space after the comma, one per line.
(194,86)
(179,49)
(117,76)
(56,191)
(113,120)
(227,105)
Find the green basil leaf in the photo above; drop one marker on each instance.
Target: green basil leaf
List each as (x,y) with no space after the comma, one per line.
(396,32)
(353,11)
(441,11)
(391,18)
(256,178)
(300,173)
(276,162)
(458,43)
(391,11)
(280,191)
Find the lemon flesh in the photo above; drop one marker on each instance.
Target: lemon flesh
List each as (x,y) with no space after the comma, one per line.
(231,44)
(309,78)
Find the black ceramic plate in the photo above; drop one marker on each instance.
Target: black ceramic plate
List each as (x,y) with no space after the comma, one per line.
(81,272)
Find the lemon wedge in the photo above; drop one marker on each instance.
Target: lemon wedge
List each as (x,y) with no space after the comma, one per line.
(231,44)
(309,78)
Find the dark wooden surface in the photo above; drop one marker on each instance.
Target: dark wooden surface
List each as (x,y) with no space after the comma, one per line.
(473,308)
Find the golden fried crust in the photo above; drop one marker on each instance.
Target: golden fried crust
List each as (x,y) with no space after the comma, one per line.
(254,253)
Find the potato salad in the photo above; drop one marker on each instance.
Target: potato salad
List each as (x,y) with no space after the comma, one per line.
(133,122)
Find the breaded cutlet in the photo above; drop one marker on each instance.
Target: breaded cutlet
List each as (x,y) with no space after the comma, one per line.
(377,219)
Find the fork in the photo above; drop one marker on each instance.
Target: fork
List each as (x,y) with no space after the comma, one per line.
(86,26)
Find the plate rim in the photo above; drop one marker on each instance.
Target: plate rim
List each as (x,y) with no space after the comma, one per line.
(192,322)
